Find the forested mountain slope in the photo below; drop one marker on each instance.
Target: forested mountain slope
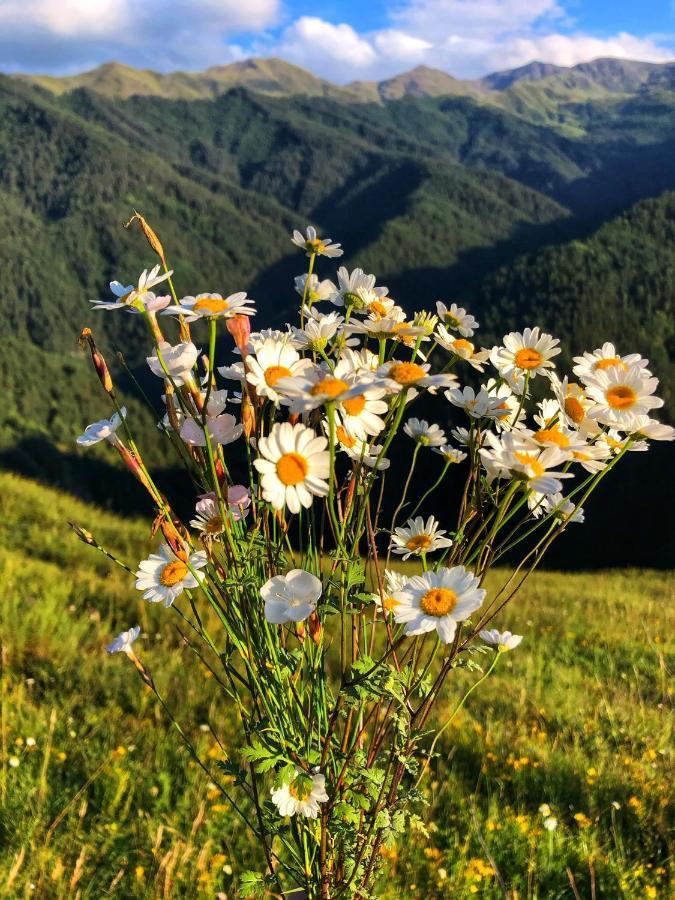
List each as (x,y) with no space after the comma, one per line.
(563,218)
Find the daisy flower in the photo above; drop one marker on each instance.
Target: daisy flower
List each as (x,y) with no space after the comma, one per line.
(359,362)
(208,519)
(360,412)
(643,426)
(615,441)
(316,290)
(313,245)
(620,394)
(503,640)
(591,457)
(514,413)
(553,433)
(536,468)
(425,434)
(401,375)
(179,361)
(456,318)
(462,348)
(212,306)
(319,330)
(164,575)
(573,404)
(302,795)
(382,307)
(437,601)
(271,360)
(393,581)
(478,405)
(561,508)
(604,358)
(450,454)
(294,466)
(129,297)
(360,450)
(222,430)
(417,537)
(103,430)
(317,386)
(527,353)
(390,327)
(291,597)
(123,641)
(356,289)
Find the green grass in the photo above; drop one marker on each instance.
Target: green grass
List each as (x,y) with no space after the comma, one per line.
(107,803)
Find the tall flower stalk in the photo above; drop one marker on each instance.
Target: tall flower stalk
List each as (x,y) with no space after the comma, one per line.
(334,660)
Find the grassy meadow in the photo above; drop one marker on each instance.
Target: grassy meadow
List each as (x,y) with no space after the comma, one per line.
(99,798)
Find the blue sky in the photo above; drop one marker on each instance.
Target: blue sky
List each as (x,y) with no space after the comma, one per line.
(343,41)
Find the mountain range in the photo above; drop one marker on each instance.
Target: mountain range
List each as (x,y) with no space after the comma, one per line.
(539,195)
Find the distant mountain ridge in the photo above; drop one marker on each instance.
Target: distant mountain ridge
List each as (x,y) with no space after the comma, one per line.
(277,77)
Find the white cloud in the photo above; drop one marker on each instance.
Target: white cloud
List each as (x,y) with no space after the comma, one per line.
(434,19)
(400,46)
(56,34)
(316,43)
(570,49)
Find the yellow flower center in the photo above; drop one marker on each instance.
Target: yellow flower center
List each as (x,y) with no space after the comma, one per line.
(173,573)
(214,305)
(526,459)
(377,309)
(301,789)
(355,405)
(463,347)
(528,358)
(419,542)
(329,387)
(452,321)
(610,361)
(621,396)
(292,468)
(214,525)
(315,246)
(345,439)
(389,604)
(552,435)
(574,410)
(275,373)
(406,373)
(438,602)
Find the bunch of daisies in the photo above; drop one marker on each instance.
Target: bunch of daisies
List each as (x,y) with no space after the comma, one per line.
(331,605)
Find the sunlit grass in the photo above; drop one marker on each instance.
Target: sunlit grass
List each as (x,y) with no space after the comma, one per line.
(106,800)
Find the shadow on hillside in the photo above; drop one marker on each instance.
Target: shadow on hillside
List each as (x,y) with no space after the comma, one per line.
(630,520)
(460,280)
(90,479)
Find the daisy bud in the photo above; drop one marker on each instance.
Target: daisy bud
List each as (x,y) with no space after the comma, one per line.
(315,629)
(247,415)
(150,235)
(240,329)
(173,537)
(85,536)
(99,362)
(136,470)
(349,499)
(171,407)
